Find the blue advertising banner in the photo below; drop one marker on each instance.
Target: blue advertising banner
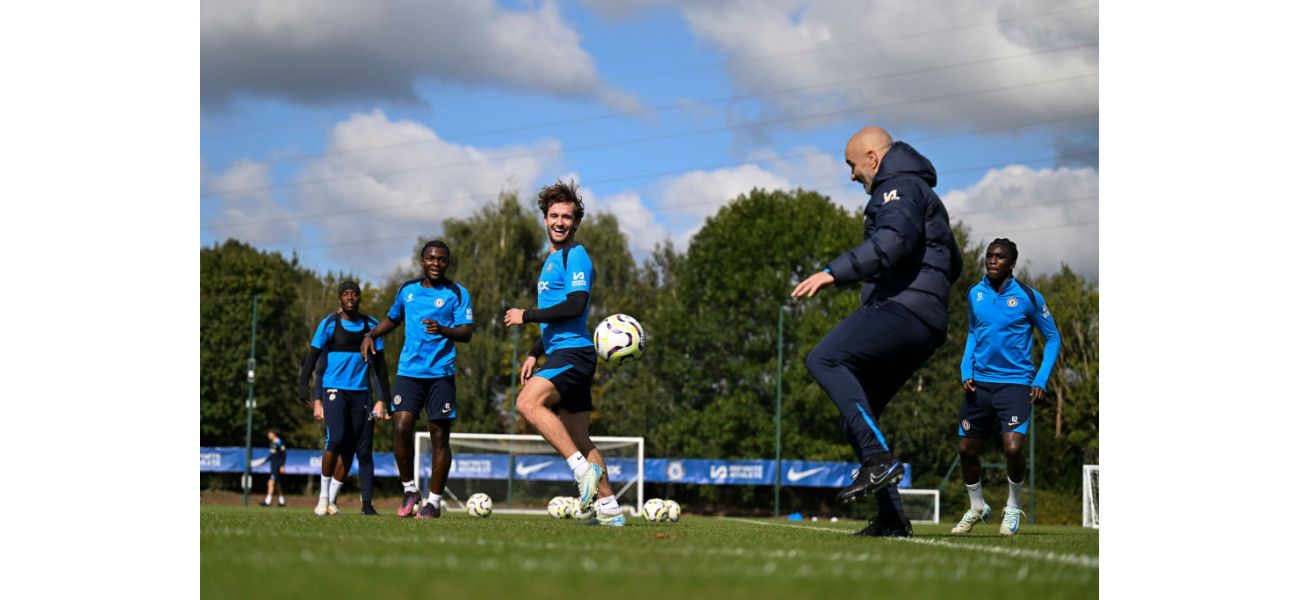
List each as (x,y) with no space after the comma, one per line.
(701,471)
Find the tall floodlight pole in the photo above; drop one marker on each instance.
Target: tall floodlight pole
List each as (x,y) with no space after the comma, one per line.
(780,342)
(249,404)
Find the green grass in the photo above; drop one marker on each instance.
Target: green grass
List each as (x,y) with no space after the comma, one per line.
(285,553)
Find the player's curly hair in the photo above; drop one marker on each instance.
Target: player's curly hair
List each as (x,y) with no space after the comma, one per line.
(435,244)
(1009,245)
(563,193)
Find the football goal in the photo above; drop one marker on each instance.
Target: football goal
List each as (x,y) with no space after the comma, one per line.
(920,505)
(1091,504)
(521,473)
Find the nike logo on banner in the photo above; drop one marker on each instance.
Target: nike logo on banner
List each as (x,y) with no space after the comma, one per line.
(793,475)
(523,471)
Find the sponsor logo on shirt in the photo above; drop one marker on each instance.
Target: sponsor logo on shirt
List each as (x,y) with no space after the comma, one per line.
(891,196)
(542,286)
(469,314)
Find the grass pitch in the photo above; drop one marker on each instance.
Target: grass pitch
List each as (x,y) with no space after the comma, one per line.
(278,553)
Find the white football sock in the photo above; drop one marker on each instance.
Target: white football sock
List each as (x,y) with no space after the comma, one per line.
(268,498)
(409,487)
(435,500)
(608,505)
(325,486)
(281,499)
(976,492)
(579,464)
(334,489)
(1013,498)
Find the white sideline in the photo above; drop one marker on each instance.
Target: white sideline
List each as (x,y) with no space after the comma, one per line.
(1077,560)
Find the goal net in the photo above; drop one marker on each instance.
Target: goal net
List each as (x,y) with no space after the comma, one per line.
(1091,504)
(920,505)
(521,473)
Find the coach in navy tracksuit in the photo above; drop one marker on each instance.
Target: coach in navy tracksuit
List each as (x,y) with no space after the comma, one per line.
(908,259)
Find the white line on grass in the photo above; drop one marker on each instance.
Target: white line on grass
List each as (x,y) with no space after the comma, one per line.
(1077,560)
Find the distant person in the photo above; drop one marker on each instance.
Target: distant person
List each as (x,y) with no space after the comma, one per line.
(344,403)
(997,372)
(908,259)
(276,458)
(426,372)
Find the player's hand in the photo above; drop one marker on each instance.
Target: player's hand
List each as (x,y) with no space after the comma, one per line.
(367,347)
(380,412)
(431,327)
(304,395)
(1036,394)
(514,316)
(526,371)
(810,286)
(318,410)
(969,384)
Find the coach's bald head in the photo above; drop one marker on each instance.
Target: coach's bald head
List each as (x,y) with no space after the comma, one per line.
(864,152)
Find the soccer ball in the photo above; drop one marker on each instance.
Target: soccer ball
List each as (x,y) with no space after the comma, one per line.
(580,514)
(559,508)
(619,339)
(479,505)
(655,510)
(674,511)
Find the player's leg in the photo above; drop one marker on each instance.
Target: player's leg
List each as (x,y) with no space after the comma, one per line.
(440,467)
(567,375)
(366,464)
(578,424)
(1014,411)
(270,489)
(335,440)
(408,400)
(976,422)
(277,473)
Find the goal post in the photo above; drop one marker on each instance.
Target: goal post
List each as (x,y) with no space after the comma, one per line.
(521,473)
(920,505)
(1091,498)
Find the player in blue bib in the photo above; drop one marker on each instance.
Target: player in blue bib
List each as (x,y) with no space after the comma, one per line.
(426,372)
(997,372)
(564,382)
(342,397)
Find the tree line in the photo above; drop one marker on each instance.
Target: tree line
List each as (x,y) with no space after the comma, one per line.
(706,386)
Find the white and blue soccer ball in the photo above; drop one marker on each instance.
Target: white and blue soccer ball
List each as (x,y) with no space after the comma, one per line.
(674,511)
(479,505)
(655,510)
(559,508)
(619,339)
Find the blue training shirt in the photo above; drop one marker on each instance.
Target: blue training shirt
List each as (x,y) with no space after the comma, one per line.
(343,370)
(429,355)
(560,277)
(1000,339)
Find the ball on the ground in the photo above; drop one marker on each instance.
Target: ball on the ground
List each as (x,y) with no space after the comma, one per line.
(479,505)
(673,512)
(619,339)
(654,510)
(575,510)
(558,507)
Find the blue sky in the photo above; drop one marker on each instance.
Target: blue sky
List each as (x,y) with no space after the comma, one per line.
(342,131)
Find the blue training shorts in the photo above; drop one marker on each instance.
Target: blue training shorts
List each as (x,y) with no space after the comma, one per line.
(570,370)
(993,407)
(435,395)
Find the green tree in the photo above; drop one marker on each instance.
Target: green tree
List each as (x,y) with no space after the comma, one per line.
(231,274)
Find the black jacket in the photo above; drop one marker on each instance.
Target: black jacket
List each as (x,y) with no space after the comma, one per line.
(908,254)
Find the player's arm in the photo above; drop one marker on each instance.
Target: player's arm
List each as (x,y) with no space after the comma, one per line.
(380,368)
(537,351)
(968,356)
(384,327)
(304,378)
(1042,319)
(462,328)
(570,308)
(900,232)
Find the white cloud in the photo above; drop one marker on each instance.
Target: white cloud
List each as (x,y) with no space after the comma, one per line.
(321,51)
(1051,215)
(884,53)
(690,198)
(246,209)
(405,190)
